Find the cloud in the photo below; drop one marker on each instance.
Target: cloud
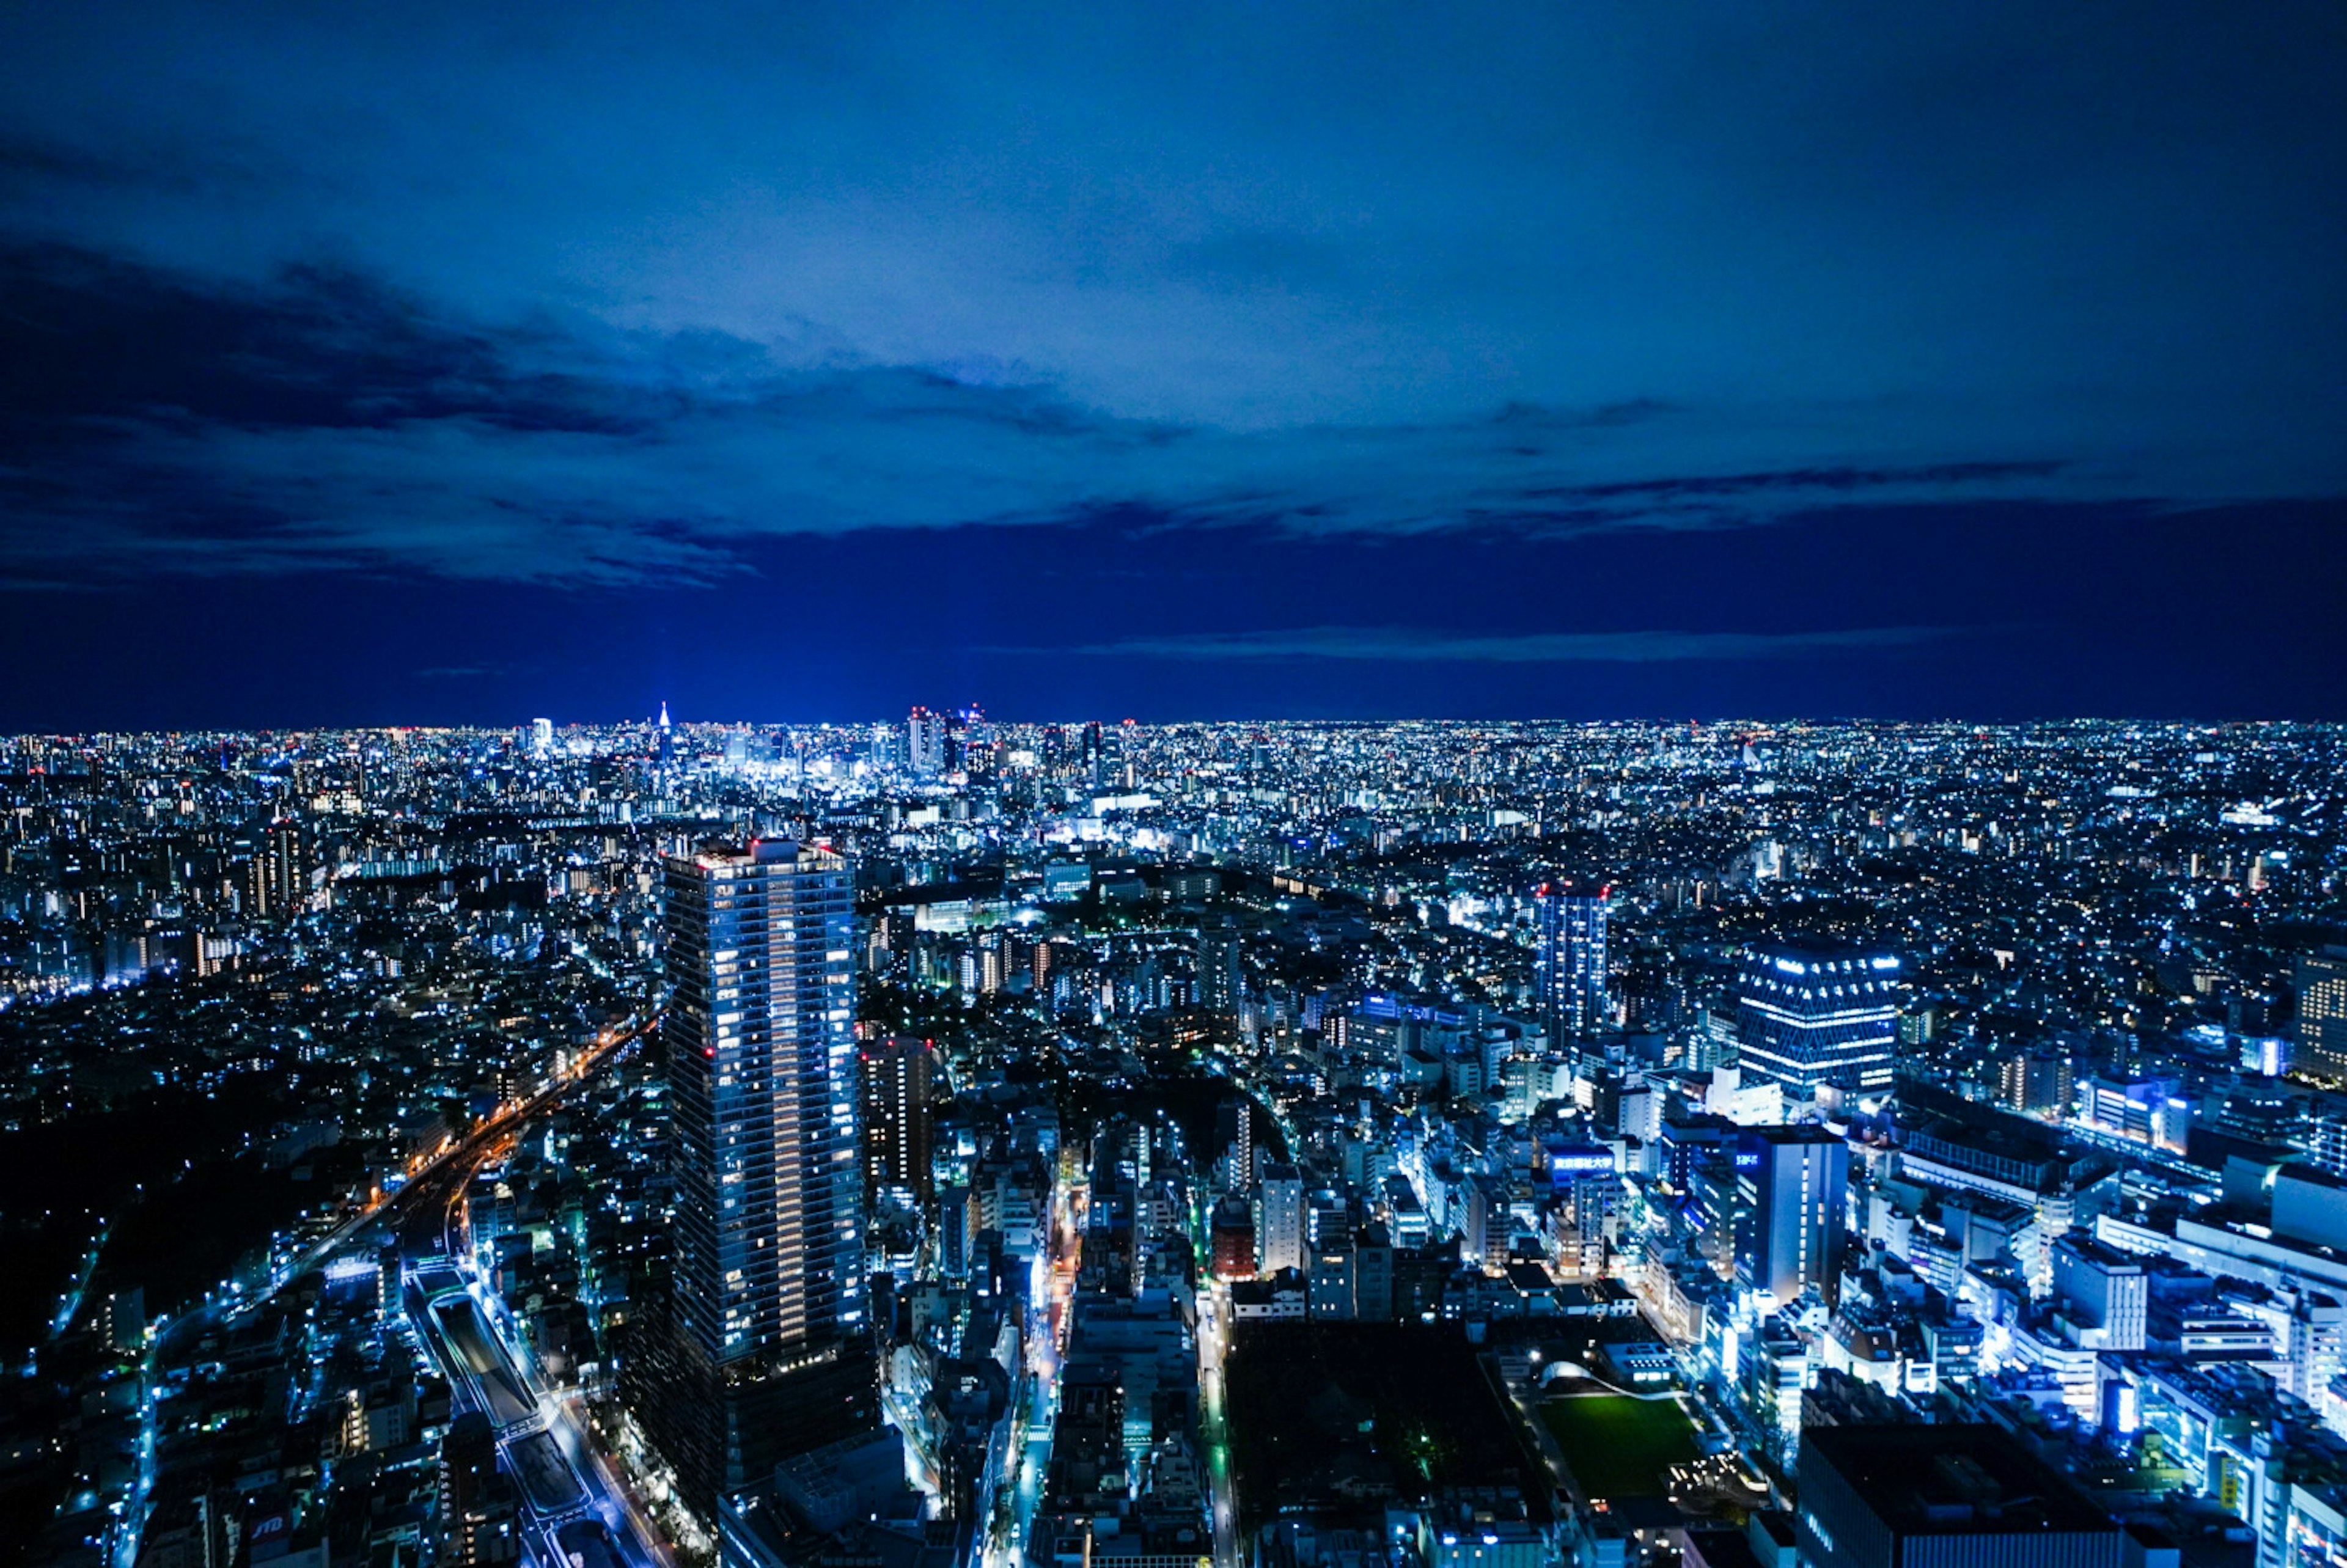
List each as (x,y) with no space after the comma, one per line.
(327,422)
(1387,644)
(597,301)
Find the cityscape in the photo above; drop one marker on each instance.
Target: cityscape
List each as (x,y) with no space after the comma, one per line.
(1249,785)
(946,1143)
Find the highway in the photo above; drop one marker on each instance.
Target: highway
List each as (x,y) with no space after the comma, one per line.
(577,1510)
(464,1154)
(461,1156)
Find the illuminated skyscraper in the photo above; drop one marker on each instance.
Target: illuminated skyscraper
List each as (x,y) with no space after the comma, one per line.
(763,1063)
(925,743)
(2321,985)
(767,1353)
(1569,958)
(1812,1013)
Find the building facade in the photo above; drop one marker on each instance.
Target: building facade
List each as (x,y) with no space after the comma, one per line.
(1569,958)
(1816,1015)
(1791,1183)
(764,1069)
(2320,981)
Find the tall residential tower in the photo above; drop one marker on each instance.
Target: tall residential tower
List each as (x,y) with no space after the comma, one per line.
(1569,958)
(769,1284)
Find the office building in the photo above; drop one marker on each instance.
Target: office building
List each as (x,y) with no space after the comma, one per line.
(2320,980)
(924,742)
(1569,958)
(1817,1014)
(2105,1294)
(1790,1186)
(1925,1496)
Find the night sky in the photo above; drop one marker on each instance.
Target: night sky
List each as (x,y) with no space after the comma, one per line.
(462,363)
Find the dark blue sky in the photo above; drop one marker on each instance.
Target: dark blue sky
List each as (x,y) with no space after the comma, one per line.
(451,363)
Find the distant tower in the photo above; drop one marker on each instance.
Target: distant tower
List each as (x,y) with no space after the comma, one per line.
(925,743)
(1569,958)
(667,739)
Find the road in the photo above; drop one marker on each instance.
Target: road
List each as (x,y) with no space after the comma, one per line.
(69,1304)
(1213,1346)
(1050,1303)
(463,1153)
(565,1479)
(459,1159)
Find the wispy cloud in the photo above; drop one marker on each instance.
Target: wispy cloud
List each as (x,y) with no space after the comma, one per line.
(625,301)
(1388,644)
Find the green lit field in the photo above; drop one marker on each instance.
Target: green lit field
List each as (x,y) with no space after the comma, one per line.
(1617,1447)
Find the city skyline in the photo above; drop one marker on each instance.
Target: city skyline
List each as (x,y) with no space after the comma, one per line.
(1263,784)
(955,1142)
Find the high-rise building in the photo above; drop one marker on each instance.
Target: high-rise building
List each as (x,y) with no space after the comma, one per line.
(925,743)
(765,1351)
(480,1515)
(1235,1135)
(763,1065)
(1569,958)
(2320,981)
(1791,1183)
(1219,989)
(1811,1014)
(1279,1218)
(541,736)
(898,1076)
(971,747)
(2037,1082)
(276,872)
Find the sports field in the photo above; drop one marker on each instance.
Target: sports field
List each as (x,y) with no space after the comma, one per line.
(1617,1447)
